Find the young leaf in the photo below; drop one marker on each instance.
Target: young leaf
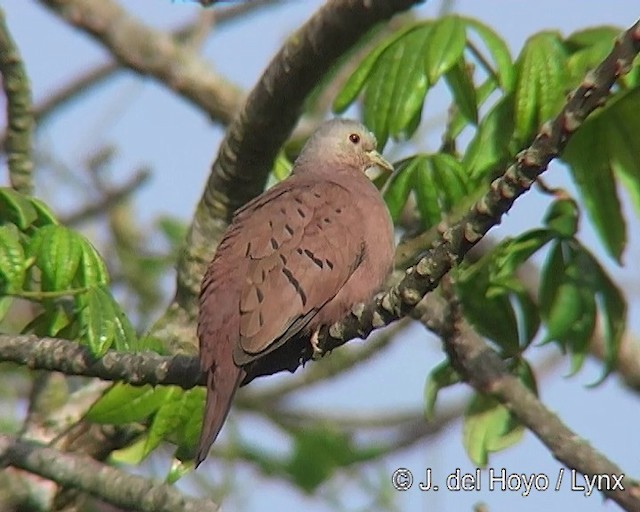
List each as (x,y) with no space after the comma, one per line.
(443,375)
(562,217)
(461,85)
(446,44)
(123,404)
(541,83)
(499,51)
(16,208)
(96,317)
(357,80)
(57,252)
(12,259)
(488,427)
(589,159)
(490,145)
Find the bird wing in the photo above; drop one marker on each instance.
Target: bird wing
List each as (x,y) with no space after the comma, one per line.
(300,247)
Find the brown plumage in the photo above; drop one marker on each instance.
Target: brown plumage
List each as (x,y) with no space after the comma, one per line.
(294,259)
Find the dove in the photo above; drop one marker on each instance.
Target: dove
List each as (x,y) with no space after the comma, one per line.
(294,259)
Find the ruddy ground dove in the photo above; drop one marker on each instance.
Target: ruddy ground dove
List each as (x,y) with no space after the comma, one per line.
(294,259)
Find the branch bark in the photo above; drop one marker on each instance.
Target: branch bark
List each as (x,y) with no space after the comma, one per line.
(152,53)
(109,484)
(15,83)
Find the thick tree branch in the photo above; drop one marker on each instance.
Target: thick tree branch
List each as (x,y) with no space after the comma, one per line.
(151,53)
(109,484)
(483,368)
(251,143)
(71,358)
(17,90)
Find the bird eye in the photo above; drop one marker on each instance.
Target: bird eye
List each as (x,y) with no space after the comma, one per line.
(354,137)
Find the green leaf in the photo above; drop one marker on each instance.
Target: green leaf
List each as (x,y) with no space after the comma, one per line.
(92,270)
(620,126)
(178,470)
(411,83)
(167,418)
(488,427)
(446,44)
(398,189)
(45,215)
(12,259)
(188,431)
(281,167)
(562,217)
(124,403)
(490,147)
(16,208)
(589,155)
(499,53)
(461,85)
(49,323)
(57,251)
(357,80)
(613,309)
(443,375)
(96,317)
(541,83)
(459,122)
(5,305)
(397,86)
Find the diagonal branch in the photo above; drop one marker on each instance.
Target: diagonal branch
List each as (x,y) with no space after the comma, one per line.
(19,117)
(152,53)
(486,213)
(107,483)
(483,368)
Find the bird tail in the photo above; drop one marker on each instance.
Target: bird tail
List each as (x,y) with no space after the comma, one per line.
(221,387)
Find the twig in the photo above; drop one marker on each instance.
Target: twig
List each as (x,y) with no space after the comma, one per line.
(107,483)
(152,53)
(19,117)
(108,200)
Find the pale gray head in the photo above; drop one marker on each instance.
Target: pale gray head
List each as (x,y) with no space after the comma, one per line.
(341,144)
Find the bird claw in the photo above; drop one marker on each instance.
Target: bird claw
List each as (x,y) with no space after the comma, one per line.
(318,353)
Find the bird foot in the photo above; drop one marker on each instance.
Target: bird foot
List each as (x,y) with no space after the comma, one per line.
(318,353)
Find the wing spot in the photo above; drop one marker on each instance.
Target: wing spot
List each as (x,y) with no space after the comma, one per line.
(289,229)
(294,282)
(246,254)
(329,264)
(299,250)
(259,294)
(313,258)
(283,258)
(338,210)
(260,319)
(327,220)
(301,213)
(274,243)
(317,194)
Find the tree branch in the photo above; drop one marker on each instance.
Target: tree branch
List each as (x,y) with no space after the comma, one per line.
(152,53)
(483,368)
(15,83)
(70,358)
(486,213)
(268,116)
(109,484)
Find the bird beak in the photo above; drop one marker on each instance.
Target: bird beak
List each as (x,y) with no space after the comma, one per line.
(378,160)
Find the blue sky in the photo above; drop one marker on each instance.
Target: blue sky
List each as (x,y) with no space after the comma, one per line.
(151,126)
